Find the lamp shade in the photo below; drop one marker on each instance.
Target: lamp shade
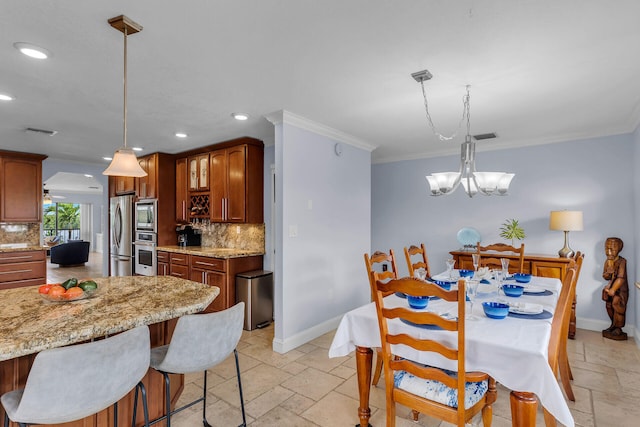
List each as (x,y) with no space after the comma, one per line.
(566,220)
(125,163)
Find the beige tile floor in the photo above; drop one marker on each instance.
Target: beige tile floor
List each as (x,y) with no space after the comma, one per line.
(304,387)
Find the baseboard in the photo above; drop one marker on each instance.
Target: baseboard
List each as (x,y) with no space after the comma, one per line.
(599,325)
(303,337)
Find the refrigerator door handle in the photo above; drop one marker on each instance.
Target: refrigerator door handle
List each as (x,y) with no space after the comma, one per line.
(117,226)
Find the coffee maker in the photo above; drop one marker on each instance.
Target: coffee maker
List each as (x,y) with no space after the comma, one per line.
(188,236)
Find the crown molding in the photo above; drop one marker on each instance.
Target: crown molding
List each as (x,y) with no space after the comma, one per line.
(287,117)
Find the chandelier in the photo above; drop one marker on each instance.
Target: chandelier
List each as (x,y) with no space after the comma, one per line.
(441,183)
(125,162)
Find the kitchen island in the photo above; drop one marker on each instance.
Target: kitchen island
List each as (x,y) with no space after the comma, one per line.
(30,324)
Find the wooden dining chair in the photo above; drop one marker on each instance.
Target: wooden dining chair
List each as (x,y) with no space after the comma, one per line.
(559,328)
(452,396)
(376,271)
(563,364)
(490,256)
(422,262)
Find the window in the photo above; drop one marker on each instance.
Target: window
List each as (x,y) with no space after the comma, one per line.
(62,219)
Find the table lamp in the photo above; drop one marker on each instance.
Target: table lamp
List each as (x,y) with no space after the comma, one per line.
(565,221)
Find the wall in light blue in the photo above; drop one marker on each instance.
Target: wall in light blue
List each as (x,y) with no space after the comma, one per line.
(100,202)
(634,262)
(595,176)
(323,227)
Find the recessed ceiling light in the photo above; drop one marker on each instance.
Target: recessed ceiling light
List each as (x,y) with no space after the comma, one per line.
(240,116)
(137,148)
(32,50)
(108,159)
(5,97)
(181,135)
(88,175)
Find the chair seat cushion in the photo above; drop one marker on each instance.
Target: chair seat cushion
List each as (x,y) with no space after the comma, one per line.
(438,392)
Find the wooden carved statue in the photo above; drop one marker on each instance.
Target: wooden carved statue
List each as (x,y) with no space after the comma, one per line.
(616,291)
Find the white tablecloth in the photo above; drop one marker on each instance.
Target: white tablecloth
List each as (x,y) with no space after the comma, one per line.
(511,350)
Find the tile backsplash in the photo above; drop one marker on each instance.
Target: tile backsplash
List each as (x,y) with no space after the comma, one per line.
(235,236)
(28,233)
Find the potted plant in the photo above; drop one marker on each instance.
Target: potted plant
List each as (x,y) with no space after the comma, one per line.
(511,230)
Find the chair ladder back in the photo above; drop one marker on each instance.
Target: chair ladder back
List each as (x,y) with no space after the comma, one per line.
(421,263)
(489,256)
(560,322)
(375,271)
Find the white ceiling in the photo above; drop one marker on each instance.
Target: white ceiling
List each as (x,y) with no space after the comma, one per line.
(540,71)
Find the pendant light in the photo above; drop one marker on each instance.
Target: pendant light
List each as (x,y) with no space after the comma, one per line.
(125,162)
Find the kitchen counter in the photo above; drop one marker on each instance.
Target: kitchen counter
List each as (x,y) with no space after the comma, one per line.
(30,324)
(224,253)
(19,247)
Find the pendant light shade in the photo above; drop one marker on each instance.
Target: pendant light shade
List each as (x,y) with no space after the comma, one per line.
(125,162)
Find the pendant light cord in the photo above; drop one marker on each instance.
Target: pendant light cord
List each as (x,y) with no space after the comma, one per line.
(125,88)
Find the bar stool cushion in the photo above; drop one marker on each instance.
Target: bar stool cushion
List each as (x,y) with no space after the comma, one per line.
(71,383)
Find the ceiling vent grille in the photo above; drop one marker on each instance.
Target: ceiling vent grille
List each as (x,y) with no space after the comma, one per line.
(481,136)
(41,131)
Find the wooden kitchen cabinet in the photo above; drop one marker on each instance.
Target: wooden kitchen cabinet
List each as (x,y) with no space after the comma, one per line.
(182,193)
(179,265)
(122,185)
(162,263)
(237,184)
(199,172)
(146,185)
(20,187)
(22,268)
(222,273)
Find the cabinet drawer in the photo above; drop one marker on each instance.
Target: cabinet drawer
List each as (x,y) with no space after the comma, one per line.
(21,283)
(181,271)
(22,271)
(180,259)
(21,256)
(162,256)
(207,263)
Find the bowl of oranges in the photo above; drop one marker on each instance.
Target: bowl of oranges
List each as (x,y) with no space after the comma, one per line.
(69,290)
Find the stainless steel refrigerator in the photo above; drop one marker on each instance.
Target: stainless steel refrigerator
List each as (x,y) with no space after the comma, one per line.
(121,225)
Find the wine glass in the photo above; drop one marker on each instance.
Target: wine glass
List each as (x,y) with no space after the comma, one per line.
(472,291)
(476,261)
(505,266)
(499,274)
(450,263)
(420,273)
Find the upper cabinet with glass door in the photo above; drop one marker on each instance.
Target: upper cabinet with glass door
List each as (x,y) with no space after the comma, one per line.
(199,172)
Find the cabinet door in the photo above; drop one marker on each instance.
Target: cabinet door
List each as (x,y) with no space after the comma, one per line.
(146,185)
(212,278)
(218,162)
(548,269)
(236,184)
(21,190)
(125,184)
(193,174)
(181,190)
(203,172)
(162,259)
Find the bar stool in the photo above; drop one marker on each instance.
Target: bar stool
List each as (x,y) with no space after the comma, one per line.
(70,383)
(200,342)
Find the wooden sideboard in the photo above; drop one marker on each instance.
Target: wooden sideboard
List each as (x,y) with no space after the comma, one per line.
(536,264)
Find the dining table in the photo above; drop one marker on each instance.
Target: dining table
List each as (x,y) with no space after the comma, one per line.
(513,350)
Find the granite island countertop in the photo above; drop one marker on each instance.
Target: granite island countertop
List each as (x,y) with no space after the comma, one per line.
(19,247)
(223,253)
(30,324)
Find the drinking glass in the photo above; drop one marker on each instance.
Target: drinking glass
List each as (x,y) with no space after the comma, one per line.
(476,261)
(420,273)
(472,291)
(499,274)
(505,266)
(450,263)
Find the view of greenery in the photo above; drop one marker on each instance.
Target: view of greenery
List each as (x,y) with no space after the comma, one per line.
(62,219)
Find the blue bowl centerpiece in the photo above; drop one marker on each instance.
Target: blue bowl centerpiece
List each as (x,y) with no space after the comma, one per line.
(522,277)
(465,273)
(495,310)
(512,290)
(444,284)
(418,302)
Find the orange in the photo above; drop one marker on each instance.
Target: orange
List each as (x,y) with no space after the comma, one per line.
(73,293)
(56,291)
(44,289)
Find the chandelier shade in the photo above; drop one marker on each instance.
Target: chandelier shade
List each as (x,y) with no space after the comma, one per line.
(441,183)
(125,162)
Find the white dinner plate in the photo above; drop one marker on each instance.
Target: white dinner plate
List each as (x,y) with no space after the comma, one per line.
(534,290)
(525,308)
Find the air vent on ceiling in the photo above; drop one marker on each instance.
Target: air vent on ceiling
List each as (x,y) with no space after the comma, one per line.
(482,136)
(41,131)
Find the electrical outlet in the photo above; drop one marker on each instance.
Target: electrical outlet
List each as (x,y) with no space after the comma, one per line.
(293,231)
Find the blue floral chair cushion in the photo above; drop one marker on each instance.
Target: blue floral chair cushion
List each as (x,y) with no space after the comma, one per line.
(438,392)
